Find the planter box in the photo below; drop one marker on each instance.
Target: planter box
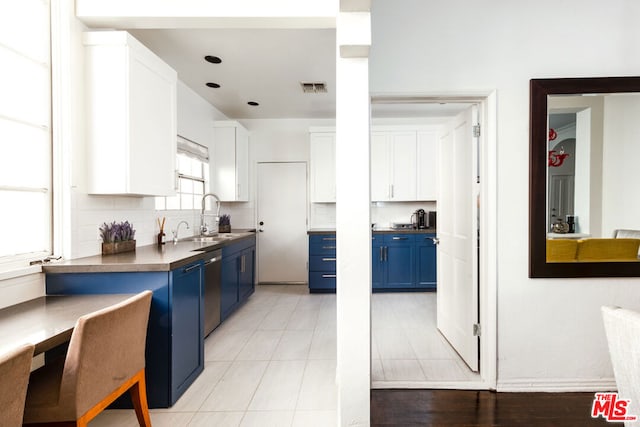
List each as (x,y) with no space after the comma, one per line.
(224,229)
(118,247)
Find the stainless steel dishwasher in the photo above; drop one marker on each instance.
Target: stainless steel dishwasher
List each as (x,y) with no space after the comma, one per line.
(212,290)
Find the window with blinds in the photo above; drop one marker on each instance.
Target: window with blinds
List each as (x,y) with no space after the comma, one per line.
(193,177)
(25,130)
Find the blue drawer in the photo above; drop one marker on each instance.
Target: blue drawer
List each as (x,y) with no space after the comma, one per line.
(322,280)
(322,244)
(322,263)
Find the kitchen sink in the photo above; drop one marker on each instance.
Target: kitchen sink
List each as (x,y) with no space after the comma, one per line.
(206,239)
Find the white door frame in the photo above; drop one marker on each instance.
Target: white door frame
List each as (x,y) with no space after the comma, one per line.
(256,213)
(488,224)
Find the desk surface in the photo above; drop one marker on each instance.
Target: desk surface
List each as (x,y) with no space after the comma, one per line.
(48,321)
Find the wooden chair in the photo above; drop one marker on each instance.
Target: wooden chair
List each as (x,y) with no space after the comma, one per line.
(622,327)
(106,358)
(14,375)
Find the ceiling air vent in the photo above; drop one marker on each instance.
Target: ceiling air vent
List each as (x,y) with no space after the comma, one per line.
(313,87)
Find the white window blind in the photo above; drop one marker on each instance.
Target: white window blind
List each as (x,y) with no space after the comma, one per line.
(193,177)
(25,130)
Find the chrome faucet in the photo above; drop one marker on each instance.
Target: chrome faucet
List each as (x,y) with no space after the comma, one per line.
(204,228)
(175,232)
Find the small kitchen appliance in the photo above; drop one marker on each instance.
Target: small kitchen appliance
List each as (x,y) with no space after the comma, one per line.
(431,219)
(419,219)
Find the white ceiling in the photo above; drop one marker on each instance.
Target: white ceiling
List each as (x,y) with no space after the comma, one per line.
(267,66)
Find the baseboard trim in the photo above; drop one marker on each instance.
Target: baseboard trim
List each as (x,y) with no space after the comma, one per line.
(444,385)
(557,385)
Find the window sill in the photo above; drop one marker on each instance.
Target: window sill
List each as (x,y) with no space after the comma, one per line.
(19,272)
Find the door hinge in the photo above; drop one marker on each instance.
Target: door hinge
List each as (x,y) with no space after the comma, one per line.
(476,131)
(477,331)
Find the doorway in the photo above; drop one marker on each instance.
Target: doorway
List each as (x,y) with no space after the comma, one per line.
(481,324)
(282,222)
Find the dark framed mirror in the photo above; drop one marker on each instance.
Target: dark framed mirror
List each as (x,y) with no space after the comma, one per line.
(582,195)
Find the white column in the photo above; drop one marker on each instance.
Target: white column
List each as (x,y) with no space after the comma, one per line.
(353,222)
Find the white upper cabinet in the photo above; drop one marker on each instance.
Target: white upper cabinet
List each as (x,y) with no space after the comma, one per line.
(131,117)
(322,154)
(393,166)
(427,146)
(230,165)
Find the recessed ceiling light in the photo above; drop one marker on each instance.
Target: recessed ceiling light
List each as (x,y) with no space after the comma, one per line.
(213,85)
(212,59)
(253,103)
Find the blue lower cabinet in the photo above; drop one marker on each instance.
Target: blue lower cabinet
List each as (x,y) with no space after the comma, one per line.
(400,261)
(322,263)
(377,261)
(238,275)
(426,265)
(175,342)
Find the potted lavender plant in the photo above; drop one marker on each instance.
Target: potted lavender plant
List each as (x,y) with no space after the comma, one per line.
(224,226)
(117,237)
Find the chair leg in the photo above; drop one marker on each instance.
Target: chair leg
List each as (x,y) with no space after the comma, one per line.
(139,398)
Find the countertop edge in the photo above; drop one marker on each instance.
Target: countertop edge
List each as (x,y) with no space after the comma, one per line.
(95,263)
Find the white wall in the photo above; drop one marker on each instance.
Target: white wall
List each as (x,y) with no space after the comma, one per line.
(271,140)
(620,204)
(550,332)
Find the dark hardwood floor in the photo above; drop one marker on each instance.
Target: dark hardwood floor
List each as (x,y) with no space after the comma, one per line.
(481,408)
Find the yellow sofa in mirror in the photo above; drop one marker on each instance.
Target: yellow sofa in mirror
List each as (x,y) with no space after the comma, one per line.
(592,250)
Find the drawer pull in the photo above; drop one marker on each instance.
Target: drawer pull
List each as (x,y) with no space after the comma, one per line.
(328,276)
(328,259)
(190,268)
(400,238)
(328,238)
(328,247)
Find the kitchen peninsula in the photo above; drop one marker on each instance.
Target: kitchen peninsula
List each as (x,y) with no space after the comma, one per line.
(175,274)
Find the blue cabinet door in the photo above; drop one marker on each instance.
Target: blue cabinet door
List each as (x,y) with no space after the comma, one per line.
(229,291)
(186,327)
(377,261)
(399,261)
(246,284)
(426,265)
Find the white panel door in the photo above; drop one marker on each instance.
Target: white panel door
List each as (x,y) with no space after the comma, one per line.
(457,297)
(282,222)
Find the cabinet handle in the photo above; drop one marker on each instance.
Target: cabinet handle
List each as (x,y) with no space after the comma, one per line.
(392,191)
(191,268)
(176,180)
(381,253)
(328,247)
(328,276)
(328,259)
(329,238)
(386,253)
(243,264)
(400,238)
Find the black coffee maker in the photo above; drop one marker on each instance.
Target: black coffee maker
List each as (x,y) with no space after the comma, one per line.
(419,219)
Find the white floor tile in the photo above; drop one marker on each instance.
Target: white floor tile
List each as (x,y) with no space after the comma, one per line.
(267,419)
(315,419)
(260,346)
(293,345)
(323,344)
(216,419)
(236,388)
(197,393)
(225,344)
(171,419)
(303,318)
(278,317)
(393,344)
(443,370)
(402,370)
(115,417)
(377,373)
(279,388)
(319,390)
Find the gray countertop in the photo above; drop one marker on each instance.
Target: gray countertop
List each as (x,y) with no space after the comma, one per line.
(146,258)
(376,230)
